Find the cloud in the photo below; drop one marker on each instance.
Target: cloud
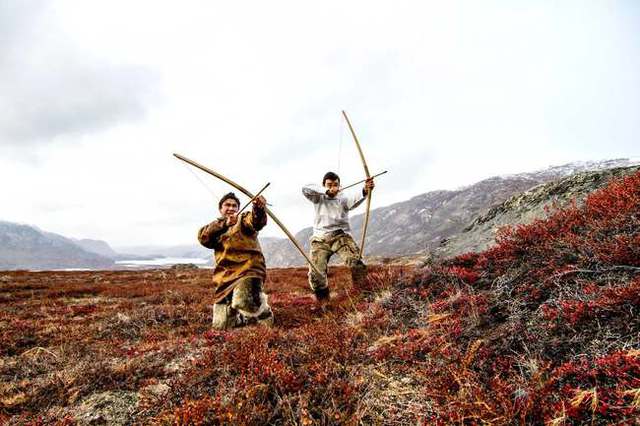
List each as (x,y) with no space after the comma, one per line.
(441,95)
(52,88)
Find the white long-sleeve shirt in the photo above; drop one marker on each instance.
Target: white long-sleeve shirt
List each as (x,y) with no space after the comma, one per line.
(331,214)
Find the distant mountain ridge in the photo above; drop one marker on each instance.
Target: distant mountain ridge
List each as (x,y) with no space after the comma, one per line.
(96,246)
(27,247)
(444,222)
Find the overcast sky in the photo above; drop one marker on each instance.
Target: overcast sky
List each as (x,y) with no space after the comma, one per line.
(95,97)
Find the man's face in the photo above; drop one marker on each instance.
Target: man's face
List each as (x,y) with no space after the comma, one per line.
(333,186)
(229,207)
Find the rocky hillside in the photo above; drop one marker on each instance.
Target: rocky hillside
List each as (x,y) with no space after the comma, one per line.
(26,247)
(524,208)
(421,224)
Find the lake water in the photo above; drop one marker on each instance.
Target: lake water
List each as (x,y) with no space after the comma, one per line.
(163,261)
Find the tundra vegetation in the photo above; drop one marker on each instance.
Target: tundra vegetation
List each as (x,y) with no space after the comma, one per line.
(542,328)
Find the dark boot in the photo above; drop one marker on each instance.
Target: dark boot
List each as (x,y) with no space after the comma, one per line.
(322,294)
(358,273)
(322,297)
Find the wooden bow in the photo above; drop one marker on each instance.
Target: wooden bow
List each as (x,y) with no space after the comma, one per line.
(250,195)
(366,172)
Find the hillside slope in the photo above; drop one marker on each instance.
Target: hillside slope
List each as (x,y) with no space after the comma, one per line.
(420,224)
(524,208)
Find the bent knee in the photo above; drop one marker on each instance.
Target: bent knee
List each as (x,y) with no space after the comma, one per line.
(252,309)
(246,304)
(247,295)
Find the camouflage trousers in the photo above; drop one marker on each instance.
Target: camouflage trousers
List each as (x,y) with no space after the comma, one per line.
(322,248)
(246,304)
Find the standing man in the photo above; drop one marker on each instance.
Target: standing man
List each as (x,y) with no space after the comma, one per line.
(331,231)
(240,267)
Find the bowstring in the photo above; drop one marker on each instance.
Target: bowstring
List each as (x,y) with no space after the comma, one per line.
(341,132)
(213,194)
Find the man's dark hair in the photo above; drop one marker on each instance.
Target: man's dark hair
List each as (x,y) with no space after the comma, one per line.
(330,176)
(229,196)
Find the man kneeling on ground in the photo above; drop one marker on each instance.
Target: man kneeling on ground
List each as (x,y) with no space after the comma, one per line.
(240,267)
